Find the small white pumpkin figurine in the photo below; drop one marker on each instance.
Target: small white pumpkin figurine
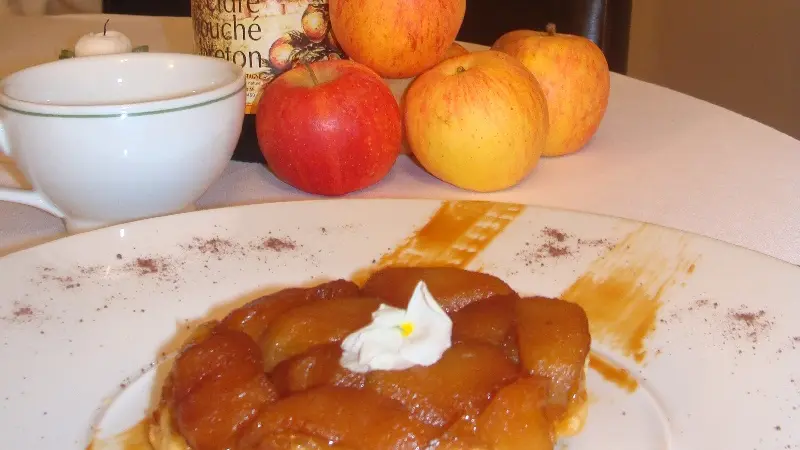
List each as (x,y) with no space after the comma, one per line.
(108,42)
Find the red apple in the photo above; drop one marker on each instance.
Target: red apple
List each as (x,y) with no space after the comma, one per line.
(329,127)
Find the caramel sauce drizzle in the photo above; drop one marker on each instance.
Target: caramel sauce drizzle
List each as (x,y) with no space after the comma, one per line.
(456,233)
(613,374)
(621,291)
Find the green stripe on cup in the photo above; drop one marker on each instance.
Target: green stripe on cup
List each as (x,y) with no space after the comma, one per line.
(111,116)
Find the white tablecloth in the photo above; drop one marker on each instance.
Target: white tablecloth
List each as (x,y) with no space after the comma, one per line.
(659,157)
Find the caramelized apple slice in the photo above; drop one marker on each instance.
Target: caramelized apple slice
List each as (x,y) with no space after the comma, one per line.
(217,386)
(254,317)
(462,435)
(490,320)
(293,441)
(316,367)
(200,333)
(316,323)
(207,357)
(553,337)
(354,418)
(209,416)
(453,288)
(511,347)
(515,419)
(461,382)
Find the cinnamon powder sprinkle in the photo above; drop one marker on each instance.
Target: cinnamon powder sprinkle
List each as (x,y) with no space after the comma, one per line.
(740,325)
(156,266)
(21,314)
(554,247)
(25,311)
(66,281)
(553,233)
(558,244)
(555,251)
(704,302)
(90,270)
(278,245)
(697,306)
(748,325)
(213,245)
(147,266)
(748,317)
(216,247)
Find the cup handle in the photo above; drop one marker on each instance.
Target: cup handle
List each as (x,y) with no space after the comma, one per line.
(5,147)
(23,196)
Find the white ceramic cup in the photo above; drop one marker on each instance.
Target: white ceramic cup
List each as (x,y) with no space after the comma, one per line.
(115,138)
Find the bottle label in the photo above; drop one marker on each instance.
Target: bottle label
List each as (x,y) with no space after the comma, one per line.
(265,37)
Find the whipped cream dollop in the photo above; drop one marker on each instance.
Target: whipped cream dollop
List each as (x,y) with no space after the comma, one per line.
(398,339)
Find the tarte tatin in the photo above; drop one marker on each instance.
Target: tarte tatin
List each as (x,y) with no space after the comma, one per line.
(268,376)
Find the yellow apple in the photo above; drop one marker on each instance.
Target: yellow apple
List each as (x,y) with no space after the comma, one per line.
(573,73)
(477,121)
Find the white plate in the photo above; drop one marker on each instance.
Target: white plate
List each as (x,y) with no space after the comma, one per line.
(79,318)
